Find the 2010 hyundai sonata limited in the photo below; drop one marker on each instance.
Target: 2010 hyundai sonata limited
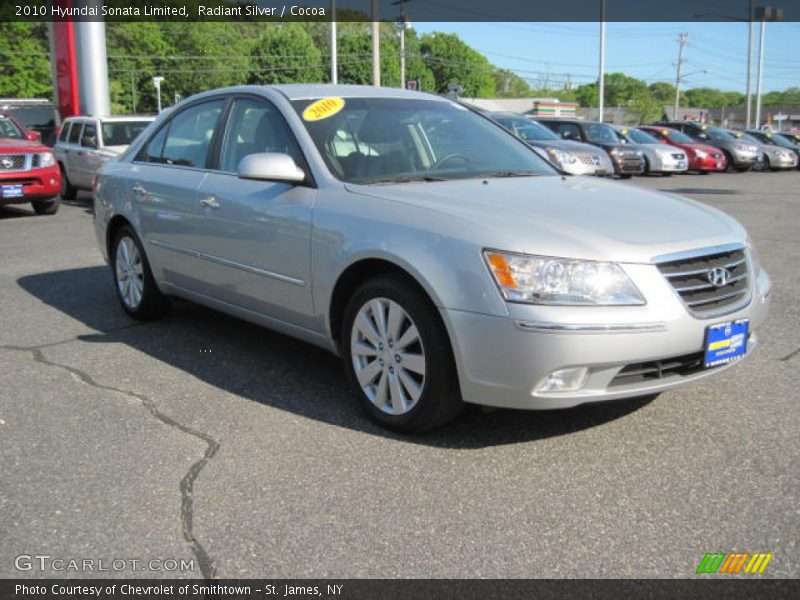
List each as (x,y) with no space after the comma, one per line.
(440,256)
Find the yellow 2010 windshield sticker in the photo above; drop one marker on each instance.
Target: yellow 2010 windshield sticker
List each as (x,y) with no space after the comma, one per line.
(322,109)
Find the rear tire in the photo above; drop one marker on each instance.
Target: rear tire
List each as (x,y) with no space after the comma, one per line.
(134,284)
(68,192)
(46,207)
(398,357)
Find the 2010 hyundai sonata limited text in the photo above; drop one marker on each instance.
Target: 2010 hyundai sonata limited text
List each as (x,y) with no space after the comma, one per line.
(438,254)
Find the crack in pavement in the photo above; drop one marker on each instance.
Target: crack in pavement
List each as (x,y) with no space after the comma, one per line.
(790,356)
(205,562)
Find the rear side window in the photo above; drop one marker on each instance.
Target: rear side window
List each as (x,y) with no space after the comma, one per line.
(64,132)
(75,133)
(569,131)
(190,135)
(89,131)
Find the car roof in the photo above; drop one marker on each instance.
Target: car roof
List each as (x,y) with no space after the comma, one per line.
(305,91)
(113,119)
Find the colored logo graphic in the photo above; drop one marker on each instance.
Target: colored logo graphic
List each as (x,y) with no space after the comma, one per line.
(734,563)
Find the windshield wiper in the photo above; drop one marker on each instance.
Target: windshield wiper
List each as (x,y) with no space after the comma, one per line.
(508,174)
(409,179)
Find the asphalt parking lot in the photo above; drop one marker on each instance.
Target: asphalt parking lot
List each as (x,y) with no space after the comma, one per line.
(202,437)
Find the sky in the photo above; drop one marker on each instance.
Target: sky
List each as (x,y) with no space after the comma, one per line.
(716,53)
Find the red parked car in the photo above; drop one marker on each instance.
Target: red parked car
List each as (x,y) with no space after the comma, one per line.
(28,171)
(702,158)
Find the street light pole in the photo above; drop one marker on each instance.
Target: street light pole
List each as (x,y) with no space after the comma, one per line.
(601,76)
(157,83)
(376,45)
(760,74)
(682,41)
(334,66)
(748,93)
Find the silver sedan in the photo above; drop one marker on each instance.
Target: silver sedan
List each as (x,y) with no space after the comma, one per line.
(440,256)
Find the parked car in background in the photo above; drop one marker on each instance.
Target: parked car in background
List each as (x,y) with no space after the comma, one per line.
(86,143)
(658,157)
(773,157)
(572,157)
(35,115)
(741,156)
(28,171)
(627,161)
(702,157)
(776,139)
(439,256)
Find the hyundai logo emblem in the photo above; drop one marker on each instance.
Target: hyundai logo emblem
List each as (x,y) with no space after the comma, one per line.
(7,163)
(719,276)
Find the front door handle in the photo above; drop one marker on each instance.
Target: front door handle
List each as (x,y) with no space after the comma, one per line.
(138,190)
(210,202)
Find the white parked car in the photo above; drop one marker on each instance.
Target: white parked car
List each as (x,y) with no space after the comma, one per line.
(86,143)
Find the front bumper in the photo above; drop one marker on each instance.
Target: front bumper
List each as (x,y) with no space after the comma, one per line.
(744,159)
(36,184)
(709,163)
(783,161)
(628,165)
(501,360)
(669,163)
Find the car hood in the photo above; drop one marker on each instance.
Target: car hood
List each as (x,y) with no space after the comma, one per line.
(578,217)
(9,146)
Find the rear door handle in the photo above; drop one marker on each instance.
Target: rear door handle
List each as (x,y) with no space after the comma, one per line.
(138,190)
(210,202)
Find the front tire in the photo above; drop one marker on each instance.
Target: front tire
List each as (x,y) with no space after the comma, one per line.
(136,288)
(46,207)
(398,357)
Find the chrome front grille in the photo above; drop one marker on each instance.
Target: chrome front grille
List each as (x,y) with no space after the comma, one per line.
(710,284)
(590,159)
(13,162)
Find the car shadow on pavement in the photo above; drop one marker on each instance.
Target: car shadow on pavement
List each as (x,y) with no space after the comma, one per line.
(15,211)
(279,371)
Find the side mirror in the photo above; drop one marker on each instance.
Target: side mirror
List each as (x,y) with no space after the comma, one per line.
(89,142)
(270,166)
(34,136)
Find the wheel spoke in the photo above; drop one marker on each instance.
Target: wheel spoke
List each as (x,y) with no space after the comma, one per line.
(396,395)
(138,269)
(395,319)
(379,316)
(368,373)
(362,349)
(413,362)
(367,329)
(410,384)
(410,336)
(382,391)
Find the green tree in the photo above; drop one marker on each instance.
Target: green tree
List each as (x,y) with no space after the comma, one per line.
(24,60)
(662,92)
(788,97)
(285,53)
(451,60)
(508,84)
(704,97)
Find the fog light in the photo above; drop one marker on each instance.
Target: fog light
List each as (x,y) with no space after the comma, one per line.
(53,181)
(563,380)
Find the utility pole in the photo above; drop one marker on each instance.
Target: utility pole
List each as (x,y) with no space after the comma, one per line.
(402,25)
(601,81)
(376,45)
(682,41)
(133,93)
(748,93)
(334,66)
(760,73)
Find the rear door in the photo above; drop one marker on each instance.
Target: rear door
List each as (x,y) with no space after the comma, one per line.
(86,158)
(71,149)
(164,187)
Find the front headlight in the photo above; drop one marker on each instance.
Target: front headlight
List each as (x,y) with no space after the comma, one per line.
(562,157)
(700,153)
(45,159)
(548,280)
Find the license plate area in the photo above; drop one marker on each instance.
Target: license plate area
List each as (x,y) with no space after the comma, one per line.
(11,191)
(725,342)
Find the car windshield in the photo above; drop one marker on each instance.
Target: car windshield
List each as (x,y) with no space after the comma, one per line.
(718,134)
(8,129)
(677,136)
(600,133)
(641,137)
(527,130)
(122,133)
(388,140)
(779,140)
